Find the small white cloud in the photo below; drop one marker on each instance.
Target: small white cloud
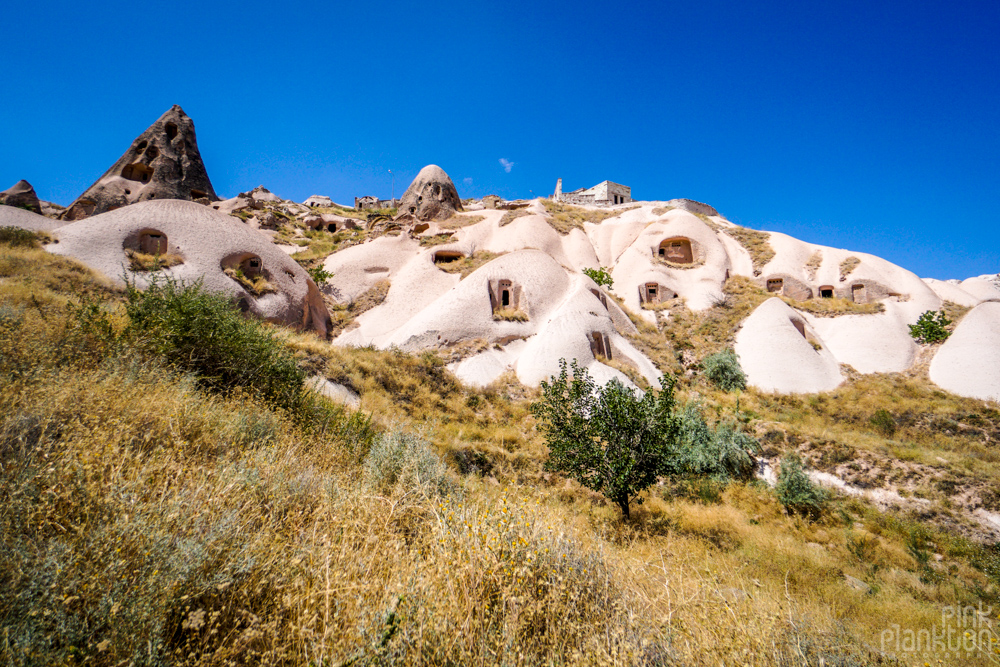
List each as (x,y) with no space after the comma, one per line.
(506,164)
(467,180)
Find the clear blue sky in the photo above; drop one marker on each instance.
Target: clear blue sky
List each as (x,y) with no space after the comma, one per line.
(873,126)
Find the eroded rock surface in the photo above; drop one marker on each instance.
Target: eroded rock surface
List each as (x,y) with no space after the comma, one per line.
(162,163)
(431,196)
(21,195)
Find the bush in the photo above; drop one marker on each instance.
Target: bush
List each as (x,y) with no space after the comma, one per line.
(883,422)
(319,274)
(723,369)
(606,438)
(722,453)
(203,333)
(600,276)
(405,460)
(796,491)
(17,237)
(930,327)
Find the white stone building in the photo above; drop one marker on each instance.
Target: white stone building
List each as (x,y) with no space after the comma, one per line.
(605,193)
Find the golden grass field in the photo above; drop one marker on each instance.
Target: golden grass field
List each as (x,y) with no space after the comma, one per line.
(147,520)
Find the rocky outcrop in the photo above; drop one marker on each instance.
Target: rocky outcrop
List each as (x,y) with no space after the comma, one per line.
(431,196)
(162,163)
(21,195)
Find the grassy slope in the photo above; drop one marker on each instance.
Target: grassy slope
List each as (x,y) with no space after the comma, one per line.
(143,515)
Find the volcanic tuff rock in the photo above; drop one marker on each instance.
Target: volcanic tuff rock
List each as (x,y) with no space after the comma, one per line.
(162,163)
(431,195)
(21,195)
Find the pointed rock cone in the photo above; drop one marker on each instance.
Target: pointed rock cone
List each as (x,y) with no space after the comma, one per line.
(431,196)
(162,163)
(21,195)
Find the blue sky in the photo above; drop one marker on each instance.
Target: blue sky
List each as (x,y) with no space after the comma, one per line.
(873,126)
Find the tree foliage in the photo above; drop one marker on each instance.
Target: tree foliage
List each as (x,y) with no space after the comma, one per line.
(796,491)
(931,327)
(607,438)
(600,276)
(723,369)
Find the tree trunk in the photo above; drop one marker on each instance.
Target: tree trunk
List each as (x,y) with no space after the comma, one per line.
(623,506)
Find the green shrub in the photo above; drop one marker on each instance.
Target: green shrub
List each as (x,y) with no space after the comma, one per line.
(721,453)
(600,276)
(930,327)
(319,274)
(883,422)
(203,333)
(723,369)
(606,438)
(796,491)
(406,460)
(17,237)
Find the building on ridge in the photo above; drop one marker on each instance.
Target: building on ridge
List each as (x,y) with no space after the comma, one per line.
(605,193)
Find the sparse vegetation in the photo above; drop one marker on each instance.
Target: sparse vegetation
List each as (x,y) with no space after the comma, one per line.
(19,238)
(662,210)
(319,274)
(436,239)
(460,220)
(931,327)
(564,218)
(834,306)
(814,262)
(757,243)
(140,261)
(467,265)
(601,276)
(342,315)
(510,315)
(883,422)
(847,266)
(256,285)
(512,215)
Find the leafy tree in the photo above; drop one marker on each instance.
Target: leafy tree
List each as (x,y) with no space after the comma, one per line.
(930,327)
(600,276)
(607,438)
(723,369)
(722,453)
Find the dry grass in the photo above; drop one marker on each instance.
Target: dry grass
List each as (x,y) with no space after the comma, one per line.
(343,315)
(512,215)
(757,243)
(436,239)
(257,286)
(815,261)
(510,315)
(467,265)
(460,220)
(140,261)
(145,520)
(564,218)
(847,266)
(662,210)
(832,307)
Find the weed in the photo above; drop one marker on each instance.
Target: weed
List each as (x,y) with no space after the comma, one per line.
(931,327)
(510,315)
(847,266)
(140,261)
(757,243)
(723,369)
(796,491)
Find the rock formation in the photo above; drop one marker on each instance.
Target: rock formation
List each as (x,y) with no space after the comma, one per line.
(196,243)
(21,195)
(431,196)
(162,163)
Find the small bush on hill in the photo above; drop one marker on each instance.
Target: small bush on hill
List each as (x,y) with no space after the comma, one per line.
(883,422)
(796,491)
(606,438)
(17,237)
(203,333)
(722,453)
(406,460)
(723,369)
(930,327)
(600,276)
(319,274)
